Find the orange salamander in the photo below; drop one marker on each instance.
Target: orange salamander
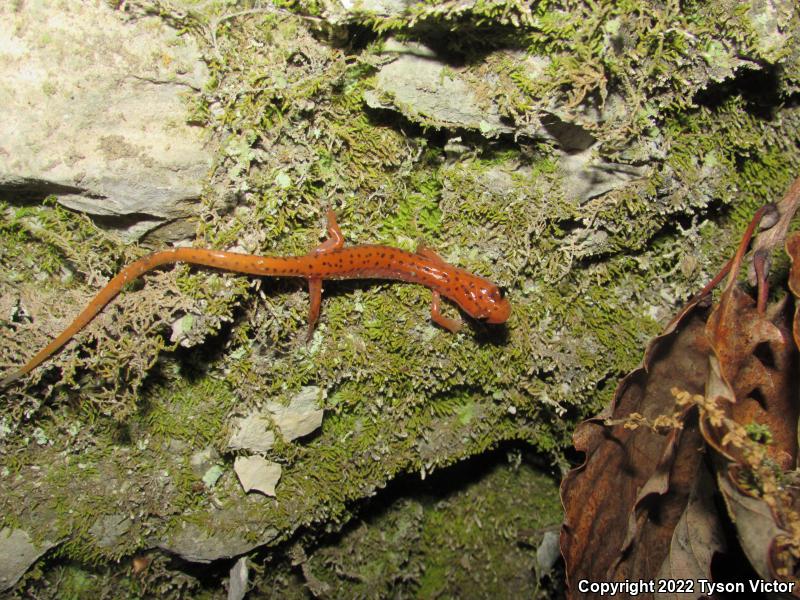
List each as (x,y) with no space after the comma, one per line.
(476,296)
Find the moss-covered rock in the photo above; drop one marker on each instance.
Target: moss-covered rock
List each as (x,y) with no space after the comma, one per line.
(636,141)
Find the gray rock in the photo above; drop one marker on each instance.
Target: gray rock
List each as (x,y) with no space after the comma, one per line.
(252,433)
(205,464)
(108,529)
(204,459)
(301,417)
(256,473)
(586,176)
(384,7)
(548,552)
(17,554)
(239,574)
(425,89)
(194,543)
(342,11)
(93,112)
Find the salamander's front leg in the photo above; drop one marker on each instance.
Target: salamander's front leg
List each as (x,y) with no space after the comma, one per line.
(428,253)
(315,295)
(335,238)
(438,318)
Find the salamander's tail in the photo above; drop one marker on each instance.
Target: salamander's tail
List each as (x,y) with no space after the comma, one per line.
(97,304)
(230,261)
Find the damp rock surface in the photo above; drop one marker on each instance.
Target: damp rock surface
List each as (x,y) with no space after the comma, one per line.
(95,111)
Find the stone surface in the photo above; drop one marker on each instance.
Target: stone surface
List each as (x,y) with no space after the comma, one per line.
(94,112)
(194,543)
(107,530)
(252,433)
(425,89)
(256,473)
(17,554)
(412,397)
(548,552)
(340,12)
(301,417)
(203,460)
(237,587)
(586,176)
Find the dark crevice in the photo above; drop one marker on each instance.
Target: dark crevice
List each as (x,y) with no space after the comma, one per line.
(27,191)
(758,396)
(763,352)
(760,89)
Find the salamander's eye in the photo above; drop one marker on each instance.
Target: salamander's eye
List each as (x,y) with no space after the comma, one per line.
(503,291)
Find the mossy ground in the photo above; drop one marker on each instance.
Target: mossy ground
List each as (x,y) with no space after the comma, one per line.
(108,427)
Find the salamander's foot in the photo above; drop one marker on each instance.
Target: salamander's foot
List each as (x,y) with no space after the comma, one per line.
(315,296)
(335,238)
(452,325)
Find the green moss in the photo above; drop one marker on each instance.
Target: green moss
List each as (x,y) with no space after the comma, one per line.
(77,583)
(417,215)
(471,541)
(193,412)
(49,237)
(442,537)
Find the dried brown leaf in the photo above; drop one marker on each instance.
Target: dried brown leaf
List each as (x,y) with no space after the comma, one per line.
(661,506)
(697,536)
(641,506)
(610,530)
(793,250)
(756,358)
(755,524)
(753,381)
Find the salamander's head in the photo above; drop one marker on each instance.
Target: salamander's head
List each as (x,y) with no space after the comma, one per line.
(481,299)
(496,306)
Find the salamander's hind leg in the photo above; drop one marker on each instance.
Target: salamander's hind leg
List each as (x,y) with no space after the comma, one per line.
(315,295)
(335,238)
(438,318)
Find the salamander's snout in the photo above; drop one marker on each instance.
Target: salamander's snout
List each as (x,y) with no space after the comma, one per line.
(496,307)
(479,298)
